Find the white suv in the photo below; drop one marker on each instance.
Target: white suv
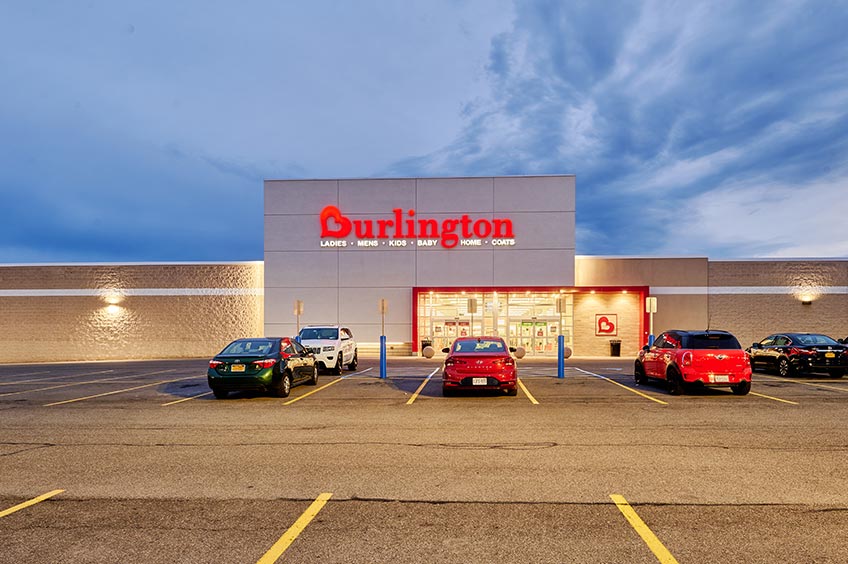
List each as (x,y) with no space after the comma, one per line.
(332,345)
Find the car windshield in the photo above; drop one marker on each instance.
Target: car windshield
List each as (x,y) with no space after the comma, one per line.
(710,341)
(813,340)
(480,346)
(317,333)
(254,347)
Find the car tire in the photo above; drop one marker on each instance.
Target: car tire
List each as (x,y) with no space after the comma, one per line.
(314,378)
(512,391)
(447,392)
(742,388)
(784,368)
(352,364)
(639,375)
(836,373)
(220,394)
(283,387)
(337,369)
(673,382)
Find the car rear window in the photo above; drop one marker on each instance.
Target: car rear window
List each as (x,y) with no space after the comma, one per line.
(313,333)
(252,347)
(480,346)
(710,341)
(814,340)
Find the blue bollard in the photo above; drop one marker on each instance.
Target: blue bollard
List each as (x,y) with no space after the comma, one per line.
(383,357)
(561,356)
(651,340)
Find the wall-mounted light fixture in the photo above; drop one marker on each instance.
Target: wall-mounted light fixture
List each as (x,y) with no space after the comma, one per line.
(806,300)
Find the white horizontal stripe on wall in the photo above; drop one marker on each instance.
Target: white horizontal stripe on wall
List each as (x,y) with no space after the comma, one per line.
(77,292)
(745,290)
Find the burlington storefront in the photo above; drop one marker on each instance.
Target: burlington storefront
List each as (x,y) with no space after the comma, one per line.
(448,256)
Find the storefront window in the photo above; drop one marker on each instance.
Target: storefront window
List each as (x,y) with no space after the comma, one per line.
(531,318)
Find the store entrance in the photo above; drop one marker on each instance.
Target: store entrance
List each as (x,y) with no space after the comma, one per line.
(532,318)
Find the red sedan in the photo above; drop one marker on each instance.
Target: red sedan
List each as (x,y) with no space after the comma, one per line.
(479,363)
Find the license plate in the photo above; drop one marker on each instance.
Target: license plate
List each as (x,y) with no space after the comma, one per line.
(721,378)
(830,355)
(237,368)
(479,381)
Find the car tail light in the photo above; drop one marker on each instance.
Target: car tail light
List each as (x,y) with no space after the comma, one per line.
(452,361)
(801,352)
(267,363)
(509,361)
(215,363)
(687,359)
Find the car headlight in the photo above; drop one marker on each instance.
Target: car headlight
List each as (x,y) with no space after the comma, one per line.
(329,348)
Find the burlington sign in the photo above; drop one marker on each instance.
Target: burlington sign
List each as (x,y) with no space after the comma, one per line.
(336,228)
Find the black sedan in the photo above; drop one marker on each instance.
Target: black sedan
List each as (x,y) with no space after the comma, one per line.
(270,364)
(799,353)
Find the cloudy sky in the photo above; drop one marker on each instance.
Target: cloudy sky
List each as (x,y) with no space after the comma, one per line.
(142,131)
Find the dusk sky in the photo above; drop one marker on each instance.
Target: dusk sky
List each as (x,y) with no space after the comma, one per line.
(142,131)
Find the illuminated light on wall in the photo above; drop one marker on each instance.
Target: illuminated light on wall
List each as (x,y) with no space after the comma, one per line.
(114,309)
(112,296)
(592,292)
(624,291)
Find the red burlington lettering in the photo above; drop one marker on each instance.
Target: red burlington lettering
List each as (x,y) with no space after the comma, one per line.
(382,225)
(503,228)
(335,224)
(482,228)
(466,226)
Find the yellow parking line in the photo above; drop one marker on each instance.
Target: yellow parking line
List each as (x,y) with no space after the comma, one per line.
(527,392)
(315,391)
(772,398)
(33,501)
(838,389)
(628,388)
(187,399)
(291,534)
(30,380)
(657,547)
(421,387)
(68,385)
(118,391)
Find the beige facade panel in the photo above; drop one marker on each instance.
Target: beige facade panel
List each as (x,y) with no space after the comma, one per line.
(299,196)
(366,196)
(301,269)
(320,305)
(613,271)
(532,268)
(624,310)
(797,273)
(446,268)
(116,276)
(682,312)
(452,195)
(396,266)
(754,317)
(516,194)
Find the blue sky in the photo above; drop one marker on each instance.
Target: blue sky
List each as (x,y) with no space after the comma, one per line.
(142,131)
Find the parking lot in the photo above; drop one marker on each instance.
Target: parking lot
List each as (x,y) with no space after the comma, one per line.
(137,462)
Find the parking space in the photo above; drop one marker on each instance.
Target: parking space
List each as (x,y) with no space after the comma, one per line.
(139,462)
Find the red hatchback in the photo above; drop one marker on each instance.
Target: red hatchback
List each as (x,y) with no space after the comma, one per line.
(479,363)
(707,358)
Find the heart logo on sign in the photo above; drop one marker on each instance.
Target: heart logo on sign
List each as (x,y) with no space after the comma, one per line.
(605,325)
(333,223)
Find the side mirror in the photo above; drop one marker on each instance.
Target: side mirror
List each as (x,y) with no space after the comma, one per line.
(842,341)
(646,348)
(446,350)
(755,345)
(512,349)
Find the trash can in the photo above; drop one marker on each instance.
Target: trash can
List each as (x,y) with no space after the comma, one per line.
(615,347)
(425,343)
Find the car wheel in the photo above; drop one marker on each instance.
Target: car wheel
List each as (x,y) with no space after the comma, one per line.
(674,383)
(337,369)
(283,388)
(639,375)
(784,368)
(742,388)
(447,392)
(836,373)
(314,379)
(512,391)
(352,364)
(220,394)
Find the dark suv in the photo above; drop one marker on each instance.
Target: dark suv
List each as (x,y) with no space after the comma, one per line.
(798,353)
